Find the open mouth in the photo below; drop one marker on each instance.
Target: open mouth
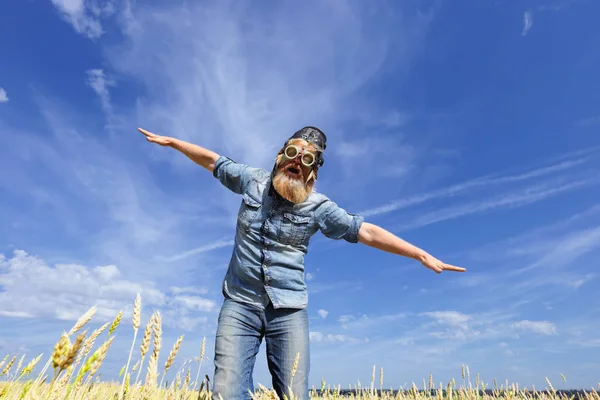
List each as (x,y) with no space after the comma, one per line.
(293,170)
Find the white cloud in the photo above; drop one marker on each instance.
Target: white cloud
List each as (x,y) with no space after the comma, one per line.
(330,338)
(3,95)
(309,276)
(540,327)
(195,303)
(405,341)
(527,22)
(184,290)
(345,318)
(98,81)
(33,289)
(65,291)
(323,313)
(459,326)
(362,322)
(452,318)
(456,323)
(85,16)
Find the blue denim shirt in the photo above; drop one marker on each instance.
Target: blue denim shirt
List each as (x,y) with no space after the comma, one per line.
(272,236)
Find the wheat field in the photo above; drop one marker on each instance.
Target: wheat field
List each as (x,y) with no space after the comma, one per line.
(71,372)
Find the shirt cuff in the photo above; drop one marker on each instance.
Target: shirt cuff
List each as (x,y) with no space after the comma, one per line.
(352,234)
(218,164)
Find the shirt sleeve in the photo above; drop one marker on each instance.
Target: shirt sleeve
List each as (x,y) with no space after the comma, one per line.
(335,223)
(232,175)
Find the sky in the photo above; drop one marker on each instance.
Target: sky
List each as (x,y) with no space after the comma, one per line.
(469,129)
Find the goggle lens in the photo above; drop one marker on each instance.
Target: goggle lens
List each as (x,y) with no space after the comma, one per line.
(291,152)
(308,159)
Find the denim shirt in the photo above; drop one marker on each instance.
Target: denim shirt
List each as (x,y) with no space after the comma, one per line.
(272,235)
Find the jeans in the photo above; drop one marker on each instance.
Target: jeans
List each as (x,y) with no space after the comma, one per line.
(240,331)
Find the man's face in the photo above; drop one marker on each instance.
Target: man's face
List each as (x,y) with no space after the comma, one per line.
(293,180)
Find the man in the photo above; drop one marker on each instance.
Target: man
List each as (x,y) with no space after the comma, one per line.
(264,289)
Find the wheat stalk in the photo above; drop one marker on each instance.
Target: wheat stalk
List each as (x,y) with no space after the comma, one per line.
(135,321)
(200,361)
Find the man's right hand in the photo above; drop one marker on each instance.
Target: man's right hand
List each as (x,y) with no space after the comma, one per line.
(154,138)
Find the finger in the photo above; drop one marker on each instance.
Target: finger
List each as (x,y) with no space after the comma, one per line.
(436,269)
(145,132)
(449,267)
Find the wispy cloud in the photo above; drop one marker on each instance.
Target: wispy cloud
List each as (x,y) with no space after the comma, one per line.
(222,83)
(518,198)
(331,338)
(478,183)
(3,95)
(399,155)
(97,80)
(540,327)
(219,244)
(538,267)
(363,322)
(556,5)
(527,22)
(589,121)
(562,252)
(452,318)
(85,16)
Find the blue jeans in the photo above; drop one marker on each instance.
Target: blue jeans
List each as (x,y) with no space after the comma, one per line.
(240,331)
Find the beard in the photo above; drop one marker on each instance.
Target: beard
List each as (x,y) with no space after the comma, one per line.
(295,189)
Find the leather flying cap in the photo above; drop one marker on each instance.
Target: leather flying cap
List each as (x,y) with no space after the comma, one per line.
(312,135)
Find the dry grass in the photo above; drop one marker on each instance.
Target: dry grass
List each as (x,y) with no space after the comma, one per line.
(71,372)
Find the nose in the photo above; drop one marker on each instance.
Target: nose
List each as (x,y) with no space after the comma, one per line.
(299,155)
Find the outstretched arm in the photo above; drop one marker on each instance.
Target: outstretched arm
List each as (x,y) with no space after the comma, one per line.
(377,237)
(197,154)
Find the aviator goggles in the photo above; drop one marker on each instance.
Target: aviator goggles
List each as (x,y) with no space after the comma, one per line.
(291,152)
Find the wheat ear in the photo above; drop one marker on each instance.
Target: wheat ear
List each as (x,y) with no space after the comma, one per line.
(171,358)
(145,345)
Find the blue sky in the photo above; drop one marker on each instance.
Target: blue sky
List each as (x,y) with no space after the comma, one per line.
(467,128)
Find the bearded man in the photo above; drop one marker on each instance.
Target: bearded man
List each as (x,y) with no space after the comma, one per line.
(264,290)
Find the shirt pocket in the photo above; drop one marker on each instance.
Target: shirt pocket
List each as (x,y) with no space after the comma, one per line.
(294,228)
(249,211)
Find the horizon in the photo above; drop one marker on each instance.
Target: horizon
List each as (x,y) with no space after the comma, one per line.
(469,130)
